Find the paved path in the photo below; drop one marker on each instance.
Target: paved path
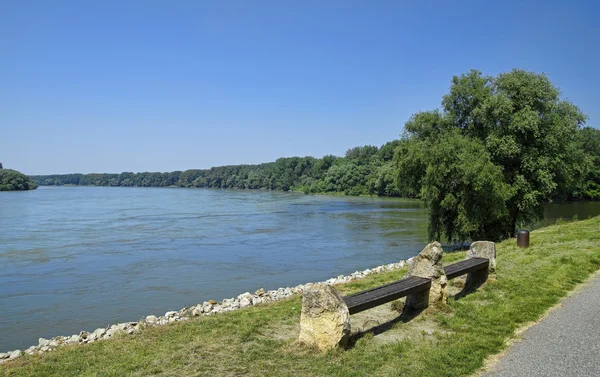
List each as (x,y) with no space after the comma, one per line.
(566,343)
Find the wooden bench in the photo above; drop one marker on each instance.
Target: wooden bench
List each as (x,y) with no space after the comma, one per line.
(389,292)
(466,266)
(371,298)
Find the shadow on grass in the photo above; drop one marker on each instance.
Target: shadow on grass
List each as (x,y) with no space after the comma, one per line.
(383,327)
(473,283)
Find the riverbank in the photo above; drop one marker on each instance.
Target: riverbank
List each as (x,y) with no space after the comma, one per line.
(261,340)
(210,307)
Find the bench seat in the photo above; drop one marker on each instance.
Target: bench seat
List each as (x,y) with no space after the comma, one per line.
(466,266)
(371,298)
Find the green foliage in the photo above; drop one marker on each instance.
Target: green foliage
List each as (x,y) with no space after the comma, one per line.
(465,191)
(12,180)
(591,147)
(365,170)
(521,127)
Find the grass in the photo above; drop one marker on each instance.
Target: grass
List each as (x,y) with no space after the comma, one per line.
(261,341)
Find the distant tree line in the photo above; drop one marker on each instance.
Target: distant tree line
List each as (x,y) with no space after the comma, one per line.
(484,163)
(12,180)
(364,170)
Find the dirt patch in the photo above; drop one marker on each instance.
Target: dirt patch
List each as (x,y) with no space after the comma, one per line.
(387,326)
(384,323)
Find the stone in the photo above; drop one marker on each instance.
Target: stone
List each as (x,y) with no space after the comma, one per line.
(14,354)
(151,319)
(260,292)
(212,302)
(245,301)
(185,312)
(484,249)
(196,312)
(257,300)
(171,314)
(126,325)
(97,334)
(111,332)
(4,356)
(480,249)
(74,339)
(428,265)
(43,342)
(325,319)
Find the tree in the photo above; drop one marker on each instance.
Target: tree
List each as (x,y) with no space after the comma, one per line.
(12,180)
(591,147)
(525,130)
(464,190)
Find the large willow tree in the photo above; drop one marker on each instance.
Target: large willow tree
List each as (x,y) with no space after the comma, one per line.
(497,150)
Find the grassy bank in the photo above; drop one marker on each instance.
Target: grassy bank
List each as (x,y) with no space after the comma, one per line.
(261,340)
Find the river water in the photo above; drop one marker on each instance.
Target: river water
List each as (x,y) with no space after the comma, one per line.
(78,258)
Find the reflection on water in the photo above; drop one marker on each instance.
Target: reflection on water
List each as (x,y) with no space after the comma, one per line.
(78,258)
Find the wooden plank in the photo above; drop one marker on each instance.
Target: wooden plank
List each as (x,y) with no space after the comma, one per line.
(378,296)
(466,266)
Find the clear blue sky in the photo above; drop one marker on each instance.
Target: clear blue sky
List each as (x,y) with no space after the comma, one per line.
(112,86)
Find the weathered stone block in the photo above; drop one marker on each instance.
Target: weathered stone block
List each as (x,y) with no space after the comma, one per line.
(484,249)
(428,264)
(325,319)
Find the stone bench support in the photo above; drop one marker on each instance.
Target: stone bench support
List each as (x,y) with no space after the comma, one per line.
(481,249)
(325,319)
(428,265)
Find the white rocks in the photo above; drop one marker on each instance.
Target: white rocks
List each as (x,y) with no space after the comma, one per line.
(210,307)
(96,335)
(73,339)
(151,320)
(206,307)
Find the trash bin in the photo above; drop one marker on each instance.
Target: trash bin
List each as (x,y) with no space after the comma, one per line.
(522,238)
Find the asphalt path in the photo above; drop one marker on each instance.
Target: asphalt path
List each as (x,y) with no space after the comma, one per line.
(565,343)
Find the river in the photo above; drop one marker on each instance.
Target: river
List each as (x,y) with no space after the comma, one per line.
(78,258)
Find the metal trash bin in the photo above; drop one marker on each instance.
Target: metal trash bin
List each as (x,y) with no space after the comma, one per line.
(522,238)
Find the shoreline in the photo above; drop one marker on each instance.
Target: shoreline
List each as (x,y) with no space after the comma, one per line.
(210,307)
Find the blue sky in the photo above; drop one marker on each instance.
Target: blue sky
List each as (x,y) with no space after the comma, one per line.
(112,86)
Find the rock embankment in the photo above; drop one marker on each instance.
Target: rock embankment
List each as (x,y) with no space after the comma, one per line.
(206,308)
